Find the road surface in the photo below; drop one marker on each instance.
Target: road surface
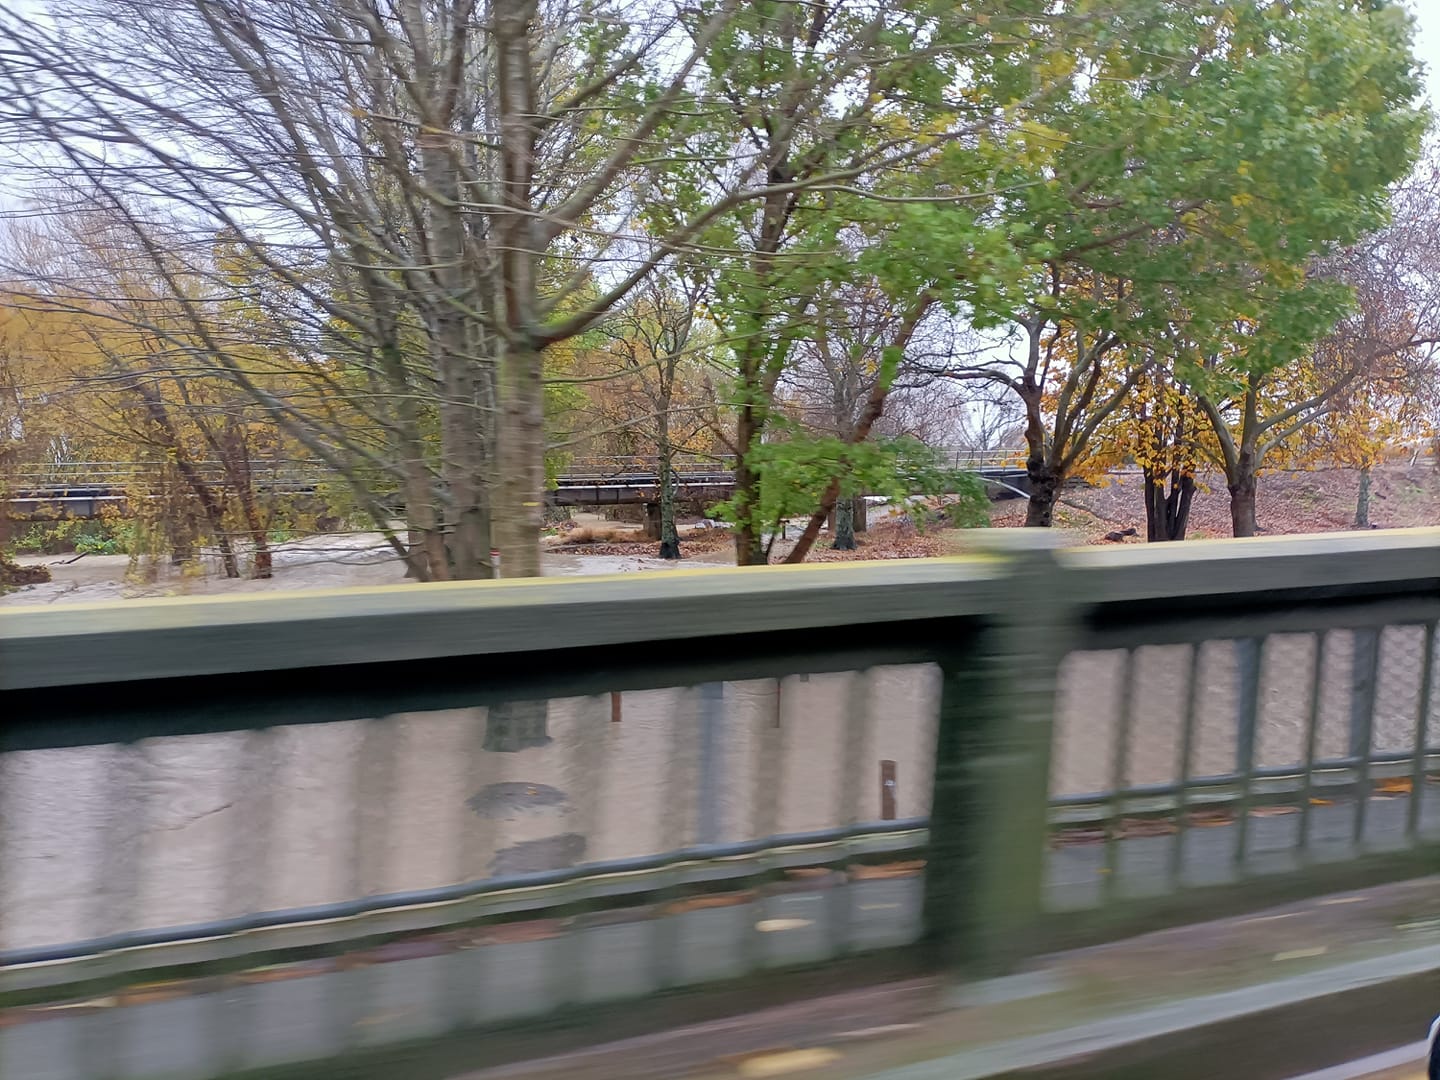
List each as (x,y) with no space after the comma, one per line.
(1402,1063)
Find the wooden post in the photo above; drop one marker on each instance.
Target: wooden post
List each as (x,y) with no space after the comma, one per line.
(614,706)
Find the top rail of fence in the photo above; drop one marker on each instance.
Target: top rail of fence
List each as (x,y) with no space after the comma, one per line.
(1116,596)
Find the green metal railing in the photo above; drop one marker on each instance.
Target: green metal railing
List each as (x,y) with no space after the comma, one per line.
(598,789)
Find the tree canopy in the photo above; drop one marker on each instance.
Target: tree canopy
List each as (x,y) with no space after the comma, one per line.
(440,246)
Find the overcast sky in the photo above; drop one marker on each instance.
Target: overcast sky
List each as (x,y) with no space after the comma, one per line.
(1427,42)
(1427,49)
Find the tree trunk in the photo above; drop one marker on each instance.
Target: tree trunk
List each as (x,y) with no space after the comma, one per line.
(1045,481)
(519,511)
(669,534)
(1045,485)
(242,478)
(1362,500)
(227,556)
(650,528)
(860,513)
(811,532)
(427,558)
(454,348)
(463,466)
(425,555)
(213,512)
(263,565)
(749,548)
(844,525)
(1167,514)
(1156,520)
(874,409)
(210,506)
(183,533)
(1242,485)
(462,469)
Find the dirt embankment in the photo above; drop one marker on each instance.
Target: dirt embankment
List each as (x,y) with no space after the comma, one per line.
(1289,502)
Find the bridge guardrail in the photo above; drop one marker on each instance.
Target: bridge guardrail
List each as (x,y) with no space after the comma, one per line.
(1074,743)
(578,469)
(85,489)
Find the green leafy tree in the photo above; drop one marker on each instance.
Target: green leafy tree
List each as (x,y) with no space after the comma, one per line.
(1206,154)
(798,472)
(914,81)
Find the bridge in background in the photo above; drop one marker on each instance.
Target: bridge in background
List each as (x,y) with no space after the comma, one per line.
(84,489)
(368,833)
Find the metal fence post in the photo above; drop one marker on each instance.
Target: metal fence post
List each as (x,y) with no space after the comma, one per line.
(984,877)
(1363,675)
(712,749)
(1247,660)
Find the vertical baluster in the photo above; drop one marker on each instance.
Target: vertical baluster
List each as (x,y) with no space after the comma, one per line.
(770,768)
(853,783)
(587,773)
(116,896)
(855,715)
(1362,718)
(1422,734)
(564,966)
(769,776)
(1248,654)
(1183,767)
(476,831)
(591,773)
(8,894)
(666,944)
(247,881)
(709,813)
(1119,771)
(372,796)
(1312,729)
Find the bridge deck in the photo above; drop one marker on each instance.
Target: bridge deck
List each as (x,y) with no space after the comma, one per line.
(90,489)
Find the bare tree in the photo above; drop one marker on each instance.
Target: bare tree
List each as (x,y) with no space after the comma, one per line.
(1062,370)
(426,195)
(655,357)
(989,419)
(192,438)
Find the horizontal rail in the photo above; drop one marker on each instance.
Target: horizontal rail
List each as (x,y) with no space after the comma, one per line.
(185,637)
(1295,772)
(695,865)
(579,470)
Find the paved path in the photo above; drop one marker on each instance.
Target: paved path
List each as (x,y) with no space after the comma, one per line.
(1402,1063)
